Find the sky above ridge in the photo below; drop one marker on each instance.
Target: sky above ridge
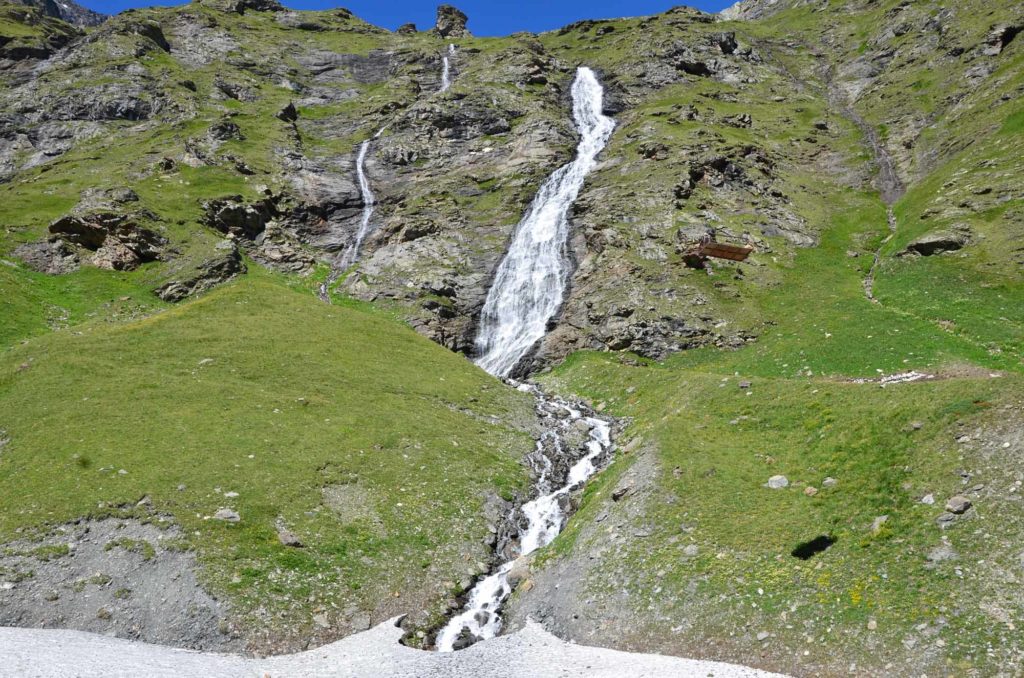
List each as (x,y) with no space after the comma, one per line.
(485,18)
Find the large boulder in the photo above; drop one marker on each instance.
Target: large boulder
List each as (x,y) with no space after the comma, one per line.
(106,223)
(118,241)
(999,37)
(451,22)
(231,215)
(938,242)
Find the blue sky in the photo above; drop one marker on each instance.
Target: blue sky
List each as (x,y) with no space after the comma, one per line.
(485,18)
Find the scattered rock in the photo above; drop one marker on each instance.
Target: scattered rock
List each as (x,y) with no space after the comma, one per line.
(224,130)
(958,504)
(289,538)
(928,499)
(810,491)
(941,553)
(763,636)
(288,114)
(653,150)
(691,551)
(740,120)
(227,515)
(777,482)
(145,591)
(829,482)
(878,523)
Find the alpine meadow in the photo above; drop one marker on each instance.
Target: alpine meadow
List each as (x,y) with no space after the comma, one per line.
(675,345)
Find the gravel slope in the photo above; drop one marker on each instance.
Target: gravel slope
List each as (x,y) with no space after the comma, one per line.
(531,652)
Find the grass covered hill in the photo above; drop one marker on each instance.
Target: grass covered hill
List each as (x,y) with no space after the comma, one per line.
(373,447)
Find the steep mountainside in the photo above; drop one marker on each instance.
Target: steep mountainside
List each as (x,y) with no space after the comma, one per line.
(66,10)
(183,179)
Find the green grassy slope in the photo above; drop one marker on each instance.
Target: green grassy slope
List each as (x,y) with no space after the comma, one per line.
(262,390)
(949,112)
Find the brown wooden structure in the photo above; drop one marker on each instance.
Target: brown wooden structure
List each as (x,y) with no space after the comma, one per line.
(697,256)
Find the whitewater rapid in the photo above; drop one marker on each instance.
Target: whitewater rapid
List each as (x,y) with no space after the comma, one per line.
(545,516)
(531,280)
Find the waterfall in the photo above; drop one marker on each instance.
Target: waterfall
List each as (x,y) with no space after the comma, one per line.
(446,69)
(531,279)
(369,202)
(545,516)
(351,254)
(526,293)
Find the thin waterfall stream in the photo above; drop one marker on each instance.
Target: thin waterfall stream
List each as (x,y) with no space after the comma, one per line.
(527,292)
(446,69)
(369,200)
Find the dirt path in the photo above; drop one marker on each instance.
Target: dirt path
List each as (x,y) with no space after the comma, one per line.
(44,653)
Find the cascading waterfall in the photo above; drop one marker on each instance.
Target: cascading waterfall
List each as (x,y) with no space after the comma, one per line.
(351,254)
(446,69)
(526,293)
(531,279)
(545,516)
(369,202)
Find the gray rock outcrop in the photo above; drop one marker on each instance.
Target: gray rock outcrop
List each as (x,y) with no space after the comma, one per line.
(451,22)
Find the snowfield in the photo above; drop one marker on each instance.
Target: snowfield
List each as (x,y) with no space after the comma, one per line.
(532,652)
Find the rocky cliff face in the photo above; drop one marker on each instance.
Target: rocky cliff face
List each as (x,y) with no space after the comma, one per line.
(715,125)
(452,172)
(66,10)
